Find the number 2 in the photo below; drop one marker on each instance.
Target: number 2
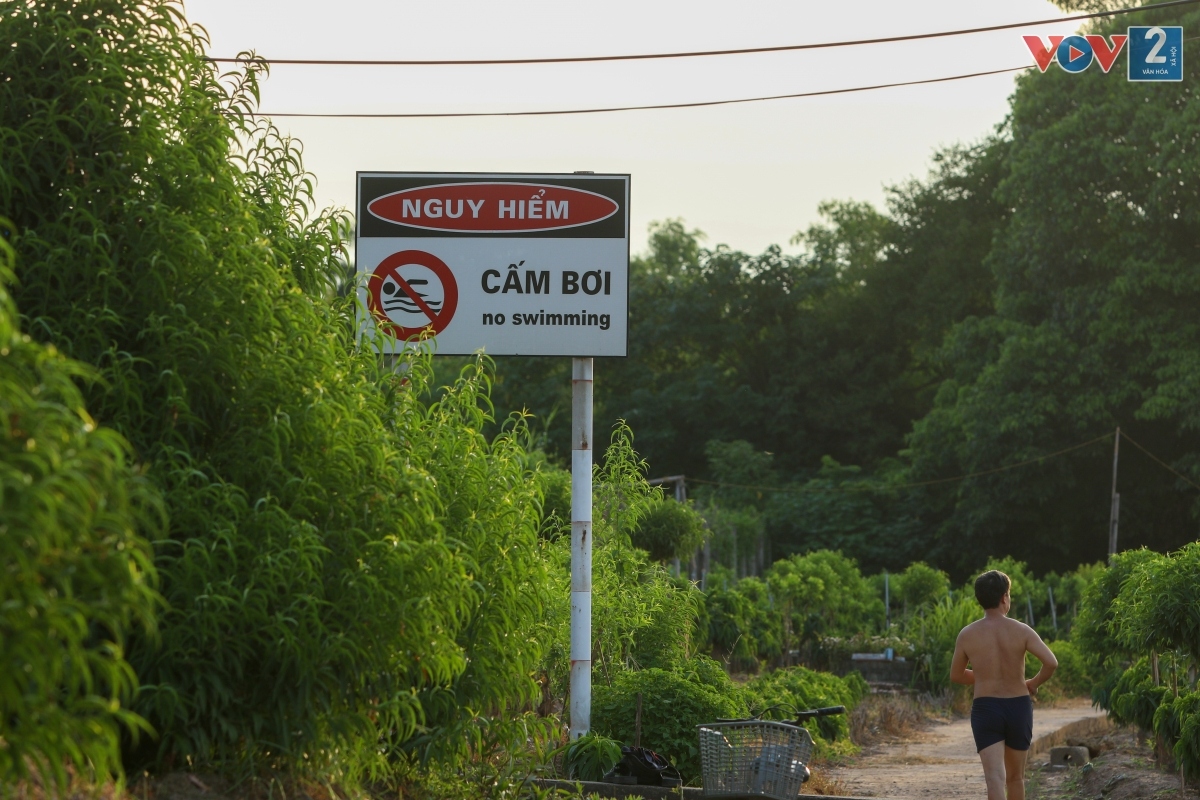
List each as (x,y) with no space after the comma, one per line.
(1153,57)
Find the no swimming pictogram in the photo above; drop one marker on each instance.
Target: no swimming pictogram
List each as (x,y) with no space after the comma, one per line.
(410,292)
(507,264)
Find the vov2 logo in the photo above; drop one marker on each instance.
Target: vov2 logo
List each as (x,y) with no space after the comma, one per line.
(1155,52)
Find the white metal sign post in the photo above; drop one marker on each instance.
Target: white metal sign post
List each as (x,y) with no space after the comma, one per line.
(581,546)
(510,265)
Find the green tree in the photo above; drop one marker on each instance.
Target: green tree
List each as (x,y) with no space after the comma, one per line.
(1096,283)
(920,584)
(822,594)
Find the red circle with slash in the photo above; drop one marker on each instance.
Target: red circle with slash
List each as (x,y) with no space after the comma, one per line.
(390,268)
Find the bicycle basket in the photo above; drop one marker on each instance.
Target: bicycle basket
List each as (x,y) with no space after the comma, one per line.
(753,758)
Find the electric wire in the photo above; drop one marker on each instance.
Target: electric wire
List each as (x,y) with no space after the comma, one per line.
(696,53)
(1168,467)
(913,485)
(654,107)
(881,488)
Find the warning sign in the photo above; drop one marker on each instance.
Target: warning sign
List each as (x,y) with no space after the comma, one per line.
(411,292)
(500,263)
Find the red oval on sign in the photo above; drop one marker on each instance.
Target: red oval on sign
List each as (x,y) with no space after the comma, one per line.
(493,207)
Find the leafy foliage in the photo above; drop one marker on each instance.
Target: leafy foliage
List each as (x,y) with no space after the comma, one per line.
(732,619)
(641,617)
(1031,293)
(1075,675)
(803,689)
(77,574)
(1094,630)
(1095,279)
(1140,612)
(590,756)
(920,584)
(822,593)
(1135,698)
(934,633)
(669,530)
(1158,607)
(672,707)
(1177,720)
(346,561)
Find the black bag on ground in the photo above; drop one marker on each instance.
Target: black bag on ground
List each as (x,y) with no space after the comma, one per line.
(645,766)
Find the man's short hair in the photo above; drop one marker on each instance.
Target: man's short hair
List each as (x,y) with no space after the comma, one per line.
(990,588)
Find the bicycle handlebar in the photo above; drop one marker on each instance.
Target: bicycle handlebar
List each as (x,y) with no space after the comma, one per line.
(828,711)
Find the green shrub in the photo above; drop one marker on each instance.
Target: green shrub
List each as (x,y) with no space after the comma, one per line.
(1093,629)
(732,619)
(590,756)
(346,561)
(933,634)
(668,640)
(555,485)
(1074,676)
(1177,722)
(1158,607)
(920,584)
(708,672)
(641,616)
(672,708)
(766,624)
(75,570)
(822,594)
(1135,698)
(669,530)
(804,689)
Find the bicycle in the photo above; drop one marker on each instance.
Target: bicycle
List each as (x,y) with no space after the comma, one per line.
(757,758)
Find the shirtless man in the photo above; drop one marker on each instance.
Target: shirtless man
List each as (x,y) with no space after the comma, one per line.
(1002,713)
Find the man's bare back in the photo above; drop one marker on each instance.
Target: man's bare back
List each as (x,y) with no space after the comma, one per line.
(995,647)
(1002,711)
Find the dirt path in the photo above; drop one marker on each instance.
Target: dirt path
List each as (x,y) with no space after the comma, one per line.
(941,762)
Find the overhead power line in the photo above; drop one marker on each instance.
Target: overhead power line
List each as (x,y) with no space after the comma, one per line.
(653,107)
(889,487)
(692,54)
(1168,467)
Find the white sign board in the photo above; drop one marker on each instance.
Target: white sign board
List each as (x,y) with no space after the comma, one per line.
(510,264)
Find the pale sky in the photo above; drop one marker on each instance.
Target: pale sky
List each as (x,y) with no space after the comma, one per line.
(748,175)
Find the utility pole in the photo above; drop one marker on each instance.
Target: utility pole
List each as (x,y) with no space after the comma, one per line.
(887,602)
(581,547)
(1115,513)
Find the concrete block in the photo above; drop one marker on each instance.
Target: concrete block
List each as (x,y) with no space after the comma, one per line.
(1068,756)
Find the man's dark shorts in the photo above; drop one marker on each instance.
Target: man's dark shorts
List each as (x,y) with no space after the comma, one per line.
(1002,719)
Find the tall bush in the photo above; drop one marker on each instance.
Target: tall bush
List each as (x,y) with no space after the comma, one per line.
(672,706)
(641,616)
(1158,607)
(920,584)
(933,635)
(822,593)
(669,530)
(344,560)
(804,689)
(75,566)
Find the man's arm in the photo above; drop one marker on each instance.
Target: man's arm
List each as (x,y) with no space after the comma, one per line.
(1041,652)
(958,665)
